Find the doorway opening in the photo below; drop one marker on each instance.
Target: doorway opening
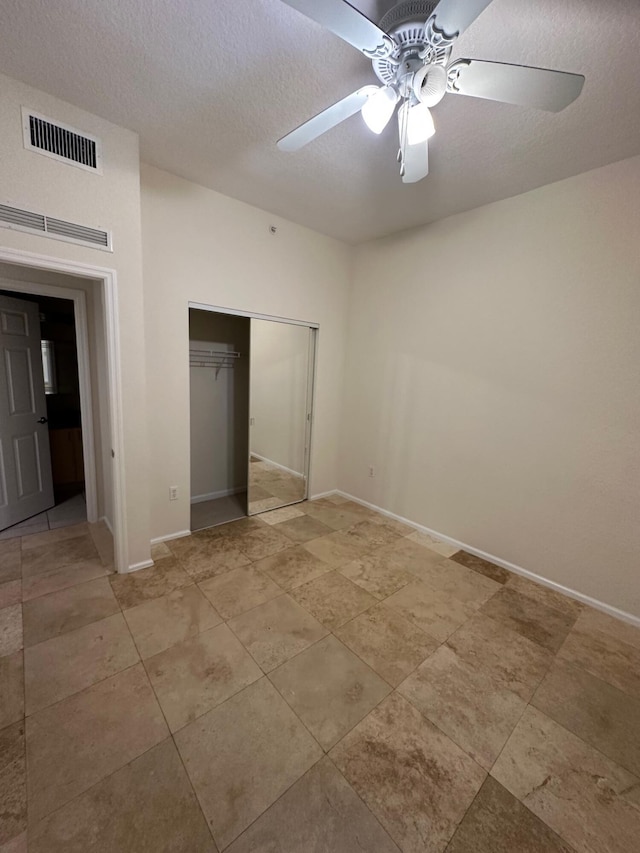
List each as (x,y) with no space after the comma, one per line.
(54,404)
(56,399)
(251,395)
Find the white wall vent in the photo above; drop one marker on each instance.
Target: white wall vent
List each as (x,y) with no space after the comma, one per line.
(61,142)
(38,223)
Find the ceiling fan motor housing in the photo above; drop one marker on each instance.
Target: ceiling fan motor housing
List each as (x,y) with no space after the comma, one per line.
(406,24)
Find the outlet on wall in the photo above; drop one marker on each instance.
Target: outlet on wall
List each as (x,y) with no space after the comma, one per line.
(372,471)
(173,493)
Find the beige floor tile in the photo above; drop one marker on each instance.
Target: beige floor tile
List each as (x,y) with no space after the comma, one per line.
(159,551)
(16,845)
(412,557)
(64,665)
(158,624)
(136,587)
(11,689)
(264,542)
(336,549)
(436,612)
(463,583)
(48,582)
(545,595)
(589,800)
(51,537)
(239,590)
(468,704)
(234,530)
(47,558)
(302,529)
(243,755)
(330,689)
(498,823)
(388,642)
(483,567)
(198,674)
(320,813)
(203,556)
(362,511)
(146,807)
(333,599)
(79,741)
(531,618)
(595,621)
(371,533)
(600,714)
(10,593)
(71,608)
(13,787)
(378,573)
(332,516)
(428,541)
(10,560)
(275,516)
(276,631)
(10,629)
(292,567)
(518,663)
(603,655)
(415,780)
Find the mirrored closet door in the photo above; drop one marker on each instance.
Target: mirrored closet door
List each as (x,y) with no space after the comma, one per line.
(281,379)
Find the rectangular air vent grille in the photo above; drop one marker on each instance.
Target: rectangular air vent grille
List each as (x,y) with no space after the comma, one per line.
(60,141)
(27,220)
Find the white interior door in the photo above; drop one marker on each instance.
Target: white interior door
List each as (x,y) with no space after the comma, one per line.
(26,484)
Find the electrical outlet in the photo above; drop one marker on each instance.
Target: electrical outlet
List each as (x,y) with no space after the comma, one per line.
(173,493)
(372,471)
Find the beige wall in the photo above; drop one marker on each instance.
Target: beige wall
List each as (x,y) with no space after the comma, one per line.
(111,201)
(219,407)
(493,380)
(203,247)
(279,384)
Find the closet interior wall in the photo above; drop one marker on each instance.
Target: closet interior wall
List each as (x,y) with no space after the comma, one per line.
(219,406)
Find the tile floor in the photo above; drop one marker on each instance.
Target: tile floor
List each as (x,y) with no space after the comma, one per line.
(71,511)
(318,678)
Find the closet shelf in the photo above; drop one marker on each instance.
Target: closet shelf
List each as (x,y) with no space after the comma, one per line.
(212,358)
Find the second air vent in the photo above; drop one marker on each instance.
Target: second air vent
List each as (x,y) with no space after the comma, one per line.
(61,142)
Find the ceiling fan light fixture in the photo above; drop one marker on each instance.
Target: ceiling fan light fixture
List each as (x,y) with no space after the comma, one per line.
(379,107)
(420,126)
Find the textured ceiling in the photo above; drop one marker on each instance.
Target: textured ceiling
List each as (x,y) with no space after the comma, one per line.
(210,85)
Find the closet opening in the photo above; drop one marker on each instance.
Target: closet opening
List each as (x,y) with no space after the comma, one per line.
(251,396)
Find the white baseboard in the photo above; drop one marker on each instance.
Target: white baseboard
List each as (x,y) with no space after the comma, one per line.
(212,496)
(178,535)
(135,567)
(326,495)
(512,567)
(277,465)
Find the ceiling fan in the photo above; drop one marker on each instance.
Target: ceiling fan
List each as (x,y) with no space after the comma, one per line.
(410,51)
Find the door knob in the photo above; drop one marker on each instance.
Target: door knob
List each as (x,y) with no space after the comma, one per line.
(42,420)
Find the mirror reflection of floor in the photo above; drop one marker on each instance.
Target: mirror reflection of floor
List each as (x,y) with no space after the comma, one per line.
(271,486)
(218,511)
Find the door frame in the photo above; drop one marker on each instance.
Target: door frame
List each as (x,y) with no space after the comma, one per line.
(106,279)
(313,367)
(78,298)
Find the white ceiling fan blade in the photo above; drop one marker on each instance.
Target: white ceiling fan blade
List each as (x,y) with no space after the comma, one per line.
(347,23)
(415,162)
(325,120)
(514,84)
(451,18)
